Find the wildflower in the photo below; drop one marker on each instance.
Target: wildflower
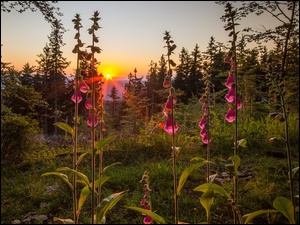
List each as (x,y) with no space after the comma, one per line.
(205,139)
(79,98)
(161,125)
(230,95)
(147,220)
(233,66)
(168,105)
(83,86)
(202,122)
(230,116)
(203,132)
(202,99)
(239,104)
(88,103)
(169,126)
(272,139)
(90,122)
(230,80)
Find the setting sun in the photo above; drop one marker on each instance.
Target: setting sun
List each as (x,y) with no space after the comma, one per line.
(108,76)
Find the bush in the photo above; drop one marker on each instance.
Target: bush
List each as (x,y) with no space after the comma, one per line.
(17,133)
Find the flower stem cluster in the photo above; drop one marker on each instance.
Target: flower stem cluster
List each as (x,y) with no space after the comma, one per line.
(146,200)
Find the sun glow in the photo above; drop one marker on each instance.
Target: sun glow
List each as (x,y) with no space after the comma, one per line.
(108,76)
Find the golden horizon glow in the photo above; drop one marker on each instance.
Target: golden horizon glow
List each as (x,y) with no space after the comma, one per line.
(108,76)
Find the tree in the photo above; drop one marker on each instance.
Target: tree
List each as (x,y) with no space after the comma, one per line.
(49,12)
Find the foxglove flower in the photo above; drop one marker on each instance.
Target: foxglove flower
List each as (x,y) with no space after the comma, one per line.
(168,127)
(202,122)
(230,80)
(83,86)
(233,66)
(90,120)
(147,220)
(168,105)
(239,104)
(203,132)
(205,139)
(88,103)
(79,98)
(230,116)
(167,81)
(230,96)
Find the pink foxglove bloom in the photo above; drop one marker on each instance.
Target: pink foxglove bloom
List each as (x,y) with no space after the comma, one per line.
(205,139)
(169,128)
(202,99)
(230,116)
(165,112)
(204,107)
(230,80)
(239,104)
(202,122)
(230,95)
(79,98)
(88,103)
(167,81)
(103,127)
(168,105)
(203,132)
(90,120)
(83,86)
(147,220)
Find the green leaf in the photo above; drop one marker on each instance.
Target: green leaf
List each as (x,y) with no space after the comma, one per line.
(154,216)
(81,175)
(107,204)
(207,200)
(61,175)
(247,218)
(113,164)
(81,157)
(103,142)
(242,143)
(212,186)
(286,207)
(66,128)
(185,174)
(236,163)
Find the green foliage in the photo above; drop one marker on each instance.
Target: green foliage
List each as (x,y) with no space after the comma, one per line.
(22,127)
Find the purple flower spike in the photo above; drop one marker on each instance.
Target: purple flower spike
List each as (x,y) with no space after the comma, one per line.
(79,98)
(230,80)
(230,95)
(168,126)
(230,116)
(203,132)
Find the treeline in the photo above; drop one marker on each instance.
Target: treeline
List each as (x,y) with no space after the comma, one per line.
(37,97)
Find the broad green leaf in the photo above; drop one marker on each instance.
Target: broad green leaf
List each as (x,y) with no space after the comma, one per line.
(242,143)
(286,207)
(81,157)
(65,127)
(247,218)
(107,204)
(85,192)
(81,175)
(104,141)
(212,186)
(185,174)
(207,200)
(154,216)
(61,175)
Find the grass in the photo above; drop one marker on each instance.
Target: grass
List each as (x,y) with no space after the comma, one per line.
(22,187)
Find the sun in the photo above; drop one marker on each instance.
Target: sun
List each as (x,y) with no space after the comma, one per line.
(108,76)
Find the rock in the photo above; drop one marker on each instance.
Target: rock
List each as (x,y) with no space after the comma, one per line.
(16,222)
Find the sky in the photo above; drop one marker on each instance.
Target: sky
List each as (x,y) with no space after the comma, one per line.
(131,33)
